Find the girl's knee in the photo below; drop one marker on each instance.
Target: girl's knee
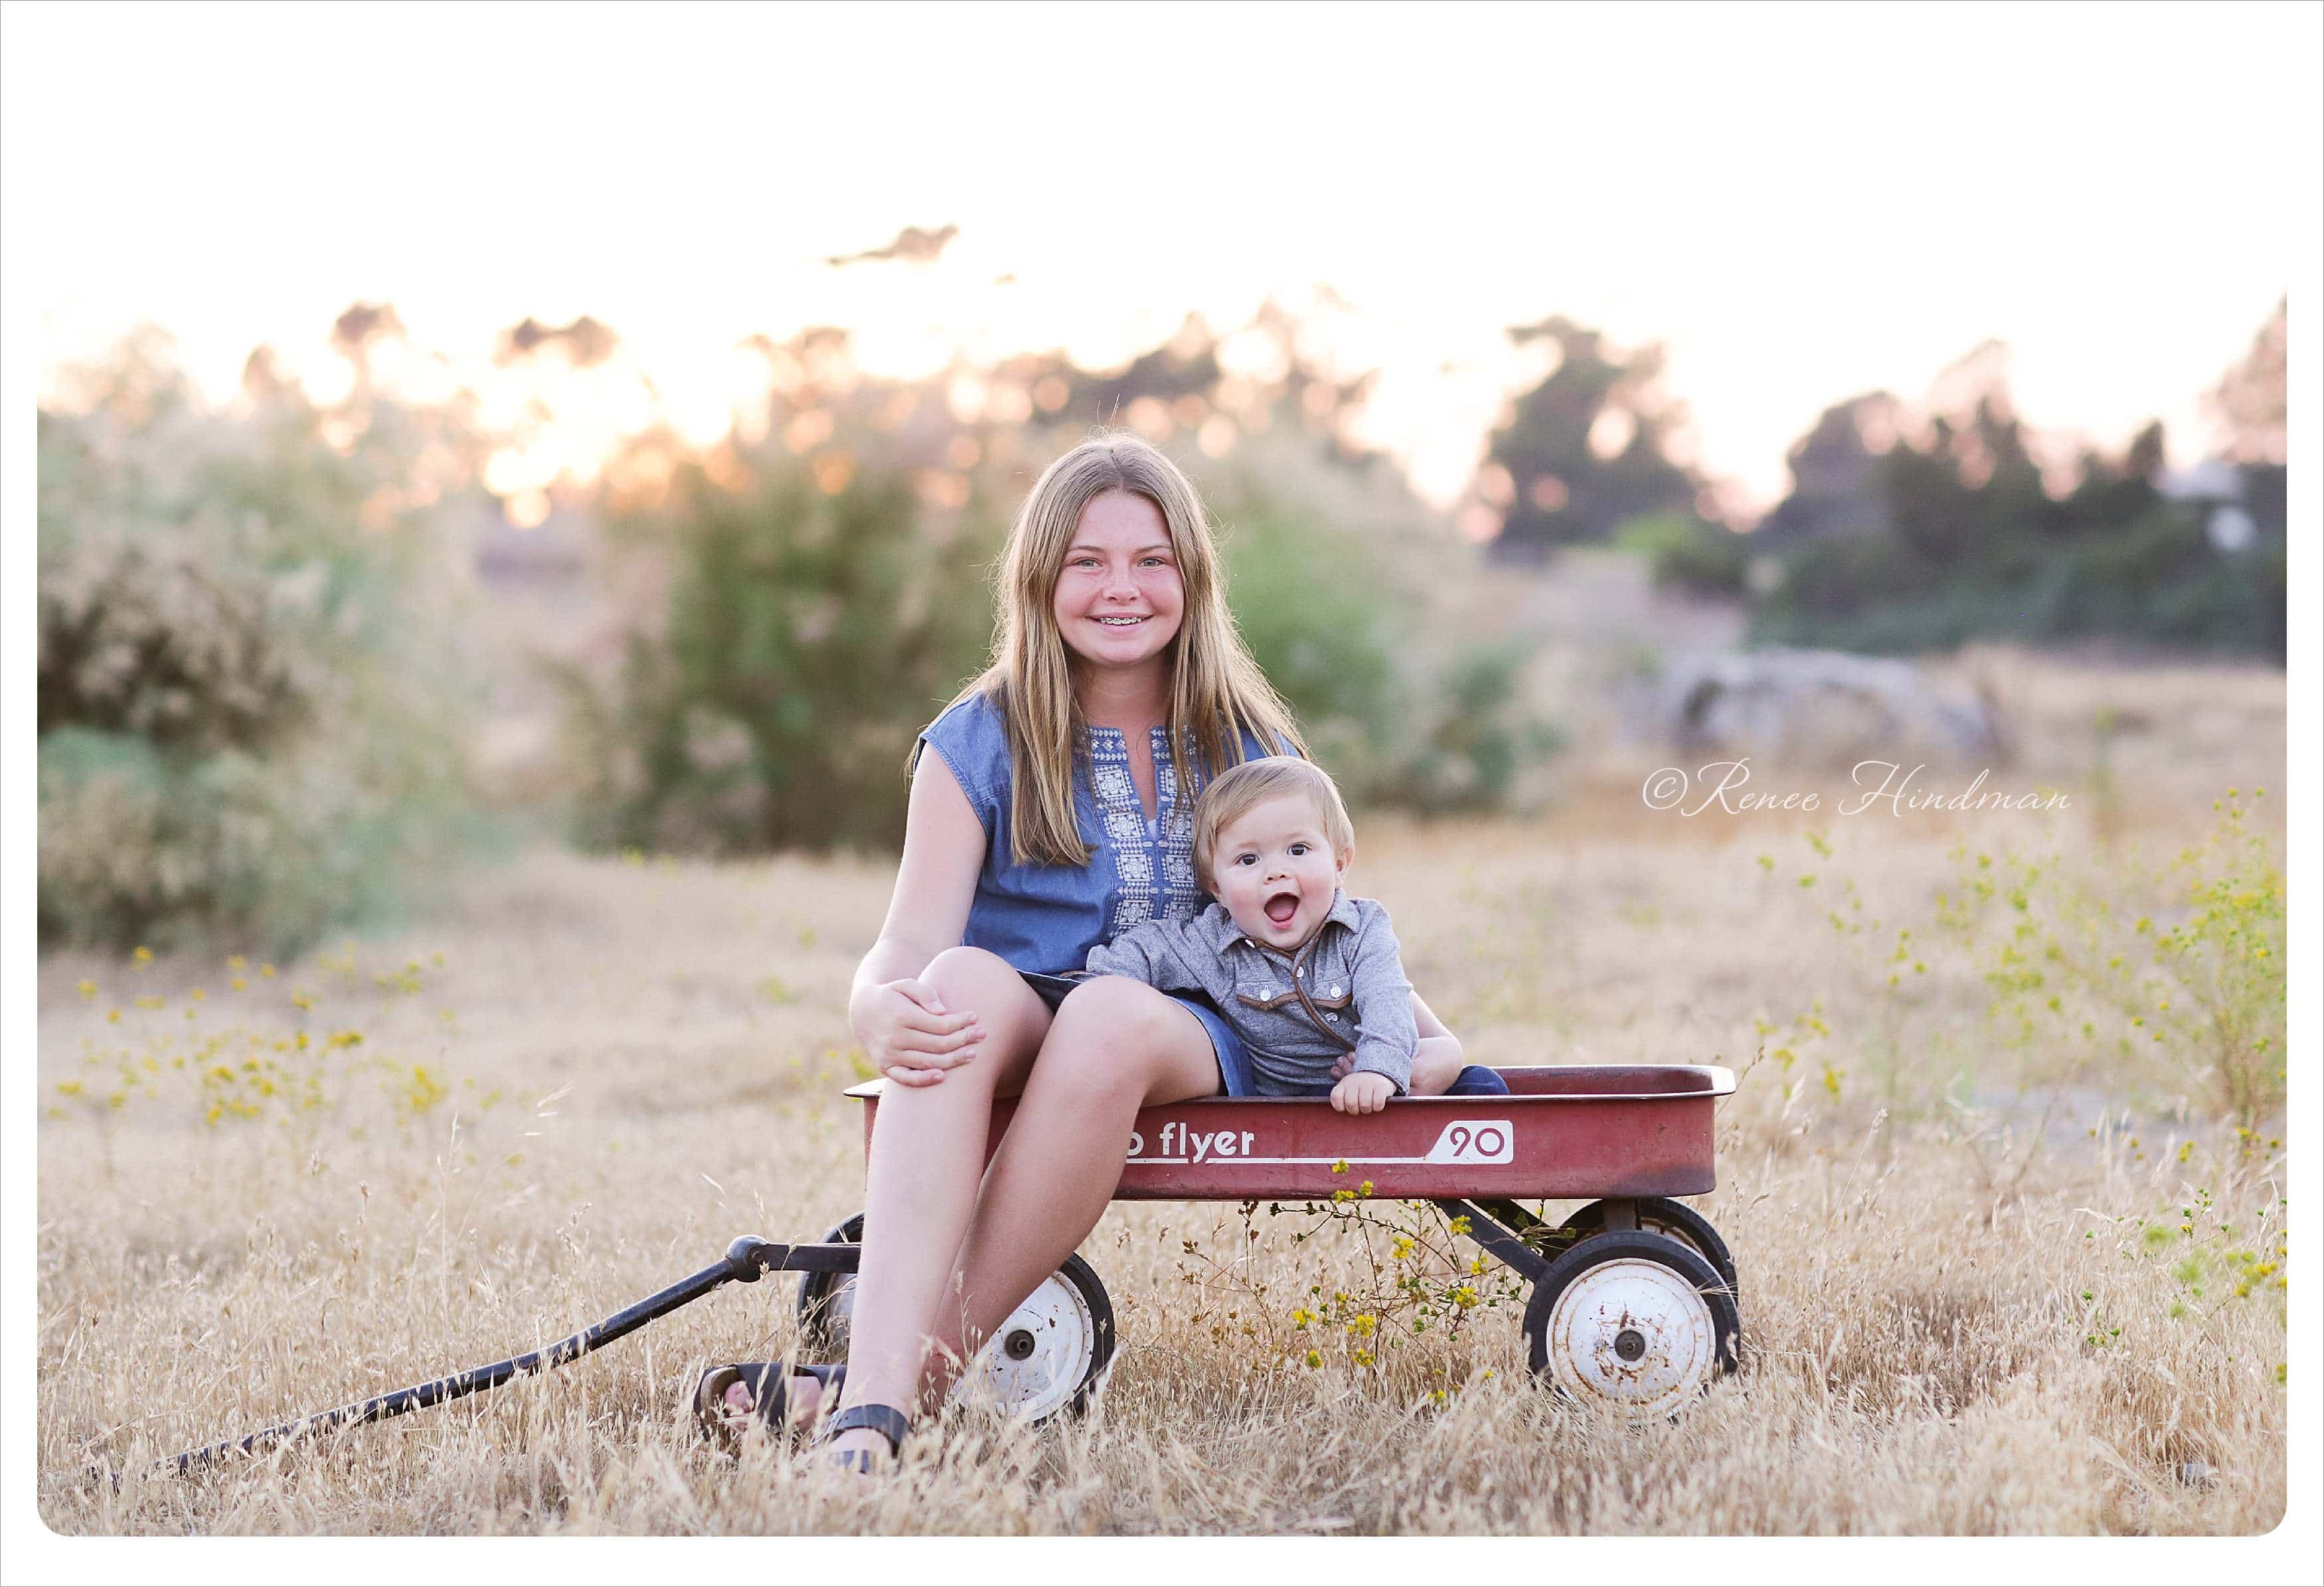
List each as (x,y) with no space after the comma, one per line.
(967,969)
(1114,1010)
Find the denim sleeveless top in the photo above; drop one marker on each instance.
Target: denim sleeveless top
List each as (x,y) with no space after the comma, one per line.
(1044,918)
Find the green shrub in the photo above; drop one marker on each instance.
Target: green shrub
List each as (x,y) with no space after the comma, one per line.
(2156,580)
(1402,717)
(809,635)
(1316,615)
(250,710)
(819,615)
(1476,734)
(2196,988)
(1684,552)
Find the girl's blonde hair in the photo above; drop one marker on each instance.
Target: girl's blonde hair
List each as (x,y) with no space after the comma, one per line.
(1244,788)
(1217,691)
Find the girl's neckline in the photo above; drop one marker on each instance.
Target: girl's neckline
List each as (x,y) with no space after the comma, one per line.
(1158,737)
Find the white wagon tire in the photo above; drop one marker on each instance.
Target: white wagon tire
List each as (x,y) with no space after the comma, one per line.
(1050,1353)
(1656,1215)
(1042,1363)
(1632,1323)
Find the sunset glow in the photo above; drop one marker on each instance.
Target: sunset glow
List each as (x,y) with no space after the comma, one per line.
(1799,205)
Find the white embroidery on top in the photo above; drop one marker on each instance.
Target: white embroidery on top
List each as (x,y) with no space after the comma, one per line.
(1157,867)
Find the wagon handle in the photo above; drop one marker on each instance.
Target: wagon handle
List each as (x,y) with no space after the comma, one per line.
(746,1261)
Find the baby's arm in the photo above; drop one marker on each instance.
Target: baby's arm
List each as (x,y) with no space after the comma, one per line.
(1147,952)
(1386,1036)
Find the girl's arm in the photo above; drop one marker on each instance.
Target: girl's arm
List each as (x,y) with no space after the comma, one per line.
(1434,1063)
(904,1027)
(1439,1058)
(1431,1027)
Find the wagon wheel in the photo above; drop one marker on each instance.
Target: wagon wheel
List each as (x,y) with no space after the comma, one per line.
(826,1300)
(1673,1219)
(1631,1323)
(1049,1354)
(1044,1360)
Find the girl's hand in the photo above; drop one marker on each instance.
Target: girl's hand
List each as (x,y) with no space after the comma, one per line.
(911,1037)
(1363,1093)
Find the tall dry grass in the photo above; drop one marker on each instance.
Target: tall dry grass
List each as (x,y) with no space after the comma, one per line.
(1955,1319)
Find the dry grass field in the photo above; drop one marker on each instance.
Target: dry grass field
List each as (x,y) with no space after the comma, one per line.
(1998,1275)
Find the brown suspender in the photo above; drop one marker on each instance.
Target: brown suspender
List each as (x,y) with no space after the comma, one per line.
(1340,1038)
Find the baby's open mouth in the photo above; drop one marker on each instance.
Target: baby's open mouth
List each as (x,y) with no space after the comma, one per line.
(1282,907)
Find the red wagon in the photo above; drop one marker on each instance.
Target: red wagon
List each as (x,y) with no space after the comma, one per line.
(1633,1306)
(1633,1302)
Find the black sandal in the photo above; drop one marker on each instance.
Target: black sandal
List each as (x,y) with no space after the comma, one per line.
(886,1420)
(769,1385)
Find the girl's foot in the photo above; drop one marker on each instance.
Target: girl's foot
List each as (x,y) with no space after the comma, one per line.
(802,1402)
(859,1450)
(864,1438)
(726,1401)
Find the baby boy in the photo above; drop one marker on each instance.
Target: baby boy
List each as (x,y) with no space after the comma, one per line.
(1309,978)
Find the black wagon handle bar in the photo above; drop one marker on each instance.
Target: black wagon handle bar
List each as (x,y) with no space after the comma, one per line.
(745,1260)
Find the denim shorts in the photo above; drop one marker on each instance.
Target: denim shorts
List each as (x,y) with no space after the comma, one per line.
(1234,1061)
(1476,1080)
(1235,1078)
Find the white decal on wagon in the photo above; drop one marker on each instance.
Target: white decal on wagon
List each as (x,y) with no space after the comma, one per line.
(1463,1140)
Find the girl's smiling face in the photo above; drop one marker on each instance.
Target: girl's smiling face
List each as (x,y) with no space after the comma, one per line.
(1119,598)
(1276,873)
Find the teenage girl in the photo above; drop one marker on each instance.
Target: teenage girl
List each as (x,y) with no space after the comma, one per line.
(1055,812)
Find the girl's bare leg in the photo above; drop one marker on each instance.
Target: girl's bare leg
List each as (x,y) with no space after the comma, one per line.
(928,1153)
(1116,1045)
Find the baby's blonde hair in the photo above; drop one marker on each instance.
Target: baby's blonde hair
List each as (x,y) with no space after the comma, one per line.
(1240,789)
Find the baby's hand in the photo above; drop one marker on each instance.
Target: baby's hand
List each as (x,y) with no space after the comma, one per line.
(1364,1091)
(1343,1066)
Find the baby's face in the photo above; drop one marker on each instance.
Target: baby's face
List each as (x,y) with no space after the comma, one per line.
(1276,873)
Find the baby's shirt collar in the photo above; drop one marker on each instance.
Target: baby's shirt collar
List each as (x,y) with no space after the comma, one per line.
(1224,934)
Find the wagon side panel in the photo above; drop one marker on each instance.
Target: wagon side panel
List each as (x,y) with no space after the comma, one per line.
(1543,1147)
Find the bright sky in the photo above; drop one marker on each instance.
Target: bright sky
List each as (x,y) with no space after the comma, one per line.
(1800,203)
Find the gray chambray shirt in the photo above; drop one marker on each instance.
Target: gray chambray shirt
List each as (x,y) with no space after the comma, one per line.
(1351,970)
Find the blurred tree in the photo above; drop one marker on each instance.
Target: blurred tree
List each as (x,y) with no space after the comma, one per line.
(251,681)
(1973,499)
(1312,609)
(1333,592)
(1186,366)
(820,613)
(1835,468)
(1584,449)
(1928,543)
(2248,402)
(826,588)
(2112,494)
